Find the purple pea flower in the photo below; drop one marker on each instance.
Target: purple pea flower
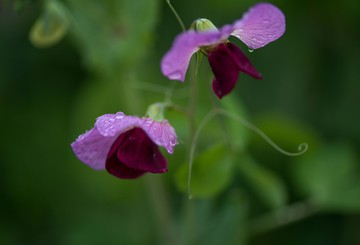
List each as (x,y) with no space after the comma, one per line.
(262,24)
(126,146)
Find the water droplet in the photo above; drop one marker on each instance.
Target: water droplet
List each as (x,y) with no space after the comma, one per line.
(270,35)
(251,50)
(120,115)
(266,21)
(175,75)
(148,122)
(254,38)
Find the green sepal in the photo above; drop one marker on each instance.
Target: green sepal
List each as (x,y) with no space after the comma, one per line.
(199,57)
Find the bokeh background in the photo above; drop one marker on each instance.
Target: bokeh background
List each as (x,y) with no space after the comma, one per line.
(108,61)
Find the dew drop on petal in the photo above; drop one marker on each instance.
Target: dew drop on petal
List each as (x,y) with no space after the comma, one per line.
(120,115)
(148,122)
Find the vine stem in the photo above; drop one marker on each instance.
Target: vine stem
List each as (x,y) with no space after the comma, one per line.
(302,148)
(206,119)
(161,205)
(176,15)
(192,118)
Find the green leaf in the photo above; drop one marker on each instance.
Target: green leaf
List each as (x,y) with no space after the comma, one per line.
(113,34)
(211,173)
(266,184)
(331,178)
(51,26)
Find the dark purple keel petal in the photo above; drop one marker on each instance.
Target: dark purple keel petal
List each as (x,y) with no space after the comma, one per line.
(226,61)
(133,154)
(225,70)
(242,62)
(118,169)
(138,151)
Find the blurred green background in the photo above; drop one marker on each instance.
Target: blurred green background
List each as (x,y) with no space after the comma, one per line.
(108,61)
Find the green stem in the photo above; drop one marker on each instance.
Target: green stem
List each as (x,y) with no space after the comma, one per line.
(217,108)
(161,207)
(176,15)
(194,140)
(192,121)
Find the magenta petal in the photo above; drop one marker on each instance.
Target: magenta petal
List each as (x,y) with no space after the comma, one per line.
(225,69)
(262,24)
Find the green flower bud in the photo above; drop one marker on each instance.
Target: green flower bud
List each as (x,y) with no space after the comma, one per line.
(156,111)
(202,25)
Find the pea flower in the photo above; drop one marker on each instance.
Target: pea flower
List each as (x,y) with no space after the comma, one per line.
(126,146)
(262,24)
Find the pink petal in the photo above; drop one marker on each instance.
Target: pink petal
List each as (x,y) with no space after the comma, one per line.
(162,133)
(262,24)
(93,146)
(176,60)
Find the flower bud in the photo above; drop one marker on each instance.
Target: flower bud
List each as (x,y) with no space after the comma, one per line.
(156,111)
(202,25)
